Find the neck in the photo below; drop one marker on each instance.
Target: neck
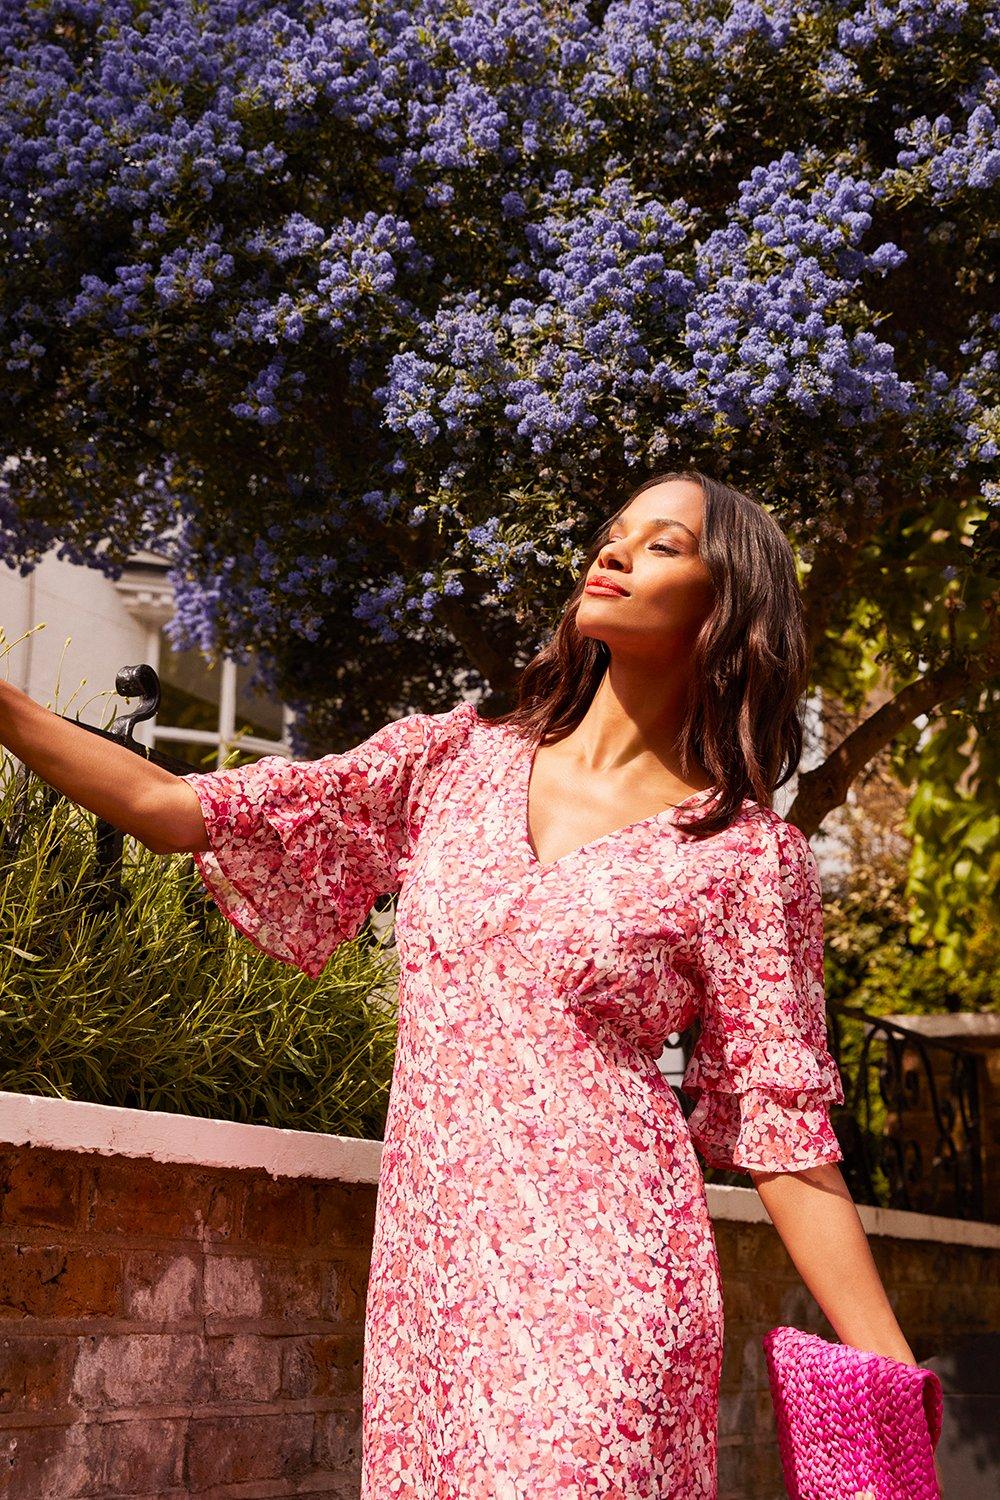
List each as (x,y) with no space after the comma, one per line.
(633,715)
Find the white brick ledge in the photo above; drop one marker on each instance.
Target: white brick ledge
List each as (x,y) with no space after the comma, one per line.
(189,1140)
(745,1204)
(72,1125)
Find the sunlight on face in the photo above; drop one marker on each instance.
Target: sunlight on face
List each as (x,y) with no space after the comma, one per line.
(650,551)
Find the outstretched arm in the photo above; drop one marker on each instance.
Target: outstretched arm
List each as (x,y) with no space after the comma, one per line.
(108,779)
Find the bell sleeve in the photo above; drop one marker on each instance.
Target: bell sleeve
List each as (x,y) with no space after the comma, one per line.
(761,1072)
(301,850)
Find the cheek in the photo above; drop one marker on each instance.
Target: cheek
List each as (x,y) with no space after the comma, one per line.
(684,597)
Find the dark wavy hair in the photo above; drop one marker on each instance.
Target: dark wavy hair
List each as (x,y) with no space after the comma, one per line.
(750,664)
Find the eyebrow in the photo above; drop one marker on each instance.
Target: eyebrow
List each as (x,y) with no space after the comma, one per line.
(659,522)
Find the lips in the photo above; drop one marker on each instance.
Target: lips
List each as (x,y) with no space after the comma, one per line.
(604,586)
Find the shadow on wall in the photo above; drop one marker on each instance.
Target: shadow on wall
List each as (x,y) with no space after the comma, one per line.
(969,1451)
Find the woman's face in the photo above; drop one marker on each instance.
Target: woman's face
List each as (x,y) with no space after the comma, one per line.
(651,552)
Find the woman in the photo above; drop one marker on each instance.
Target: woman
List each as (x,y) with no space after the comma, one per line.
(576,881)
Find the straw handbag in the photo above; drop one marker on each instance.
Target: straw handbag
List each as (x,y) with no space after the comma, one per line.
(851,1422)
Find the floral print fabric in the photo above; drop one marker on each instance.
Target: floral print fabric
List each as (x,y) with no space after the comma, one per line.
(761,1071)
(544,1317)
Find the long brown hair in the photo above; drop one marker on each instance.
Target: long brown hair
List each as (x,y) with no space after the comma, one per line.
(749,669)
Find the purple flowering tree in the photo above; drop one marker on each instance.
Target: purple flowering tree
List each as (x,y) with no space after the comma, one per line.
(367,313)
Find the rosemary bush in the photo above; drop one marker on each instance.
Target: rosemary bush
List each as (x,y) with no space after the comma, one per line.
(159,1003)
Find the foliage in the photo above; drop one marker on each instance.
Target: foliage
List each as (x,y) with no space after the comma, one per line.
(882,960)
(417,289)
(163,1005)
(954,874)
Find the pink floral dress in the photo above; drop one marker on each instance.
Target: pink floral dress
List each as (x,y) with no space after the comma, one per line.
(544,1317)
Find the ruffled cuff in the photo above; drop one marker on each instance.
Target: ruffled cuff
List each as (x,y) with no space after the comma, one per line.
(762,1132)
(776,1061)
(259,865)
(762,1103)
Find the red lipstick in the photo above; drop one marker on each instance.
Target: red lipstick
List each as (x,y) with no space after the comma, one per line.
(605,586)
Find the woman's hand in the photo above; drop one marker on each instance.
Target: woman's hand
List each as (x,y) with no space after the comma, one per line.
(102,775)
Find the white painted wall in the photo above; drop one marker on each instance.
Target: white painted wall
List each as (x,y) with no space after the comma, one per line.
(78,631)
(68,630)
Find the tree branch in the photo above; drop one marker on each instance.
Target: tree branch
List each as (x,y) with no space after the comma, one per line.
(491,645)
(826,786)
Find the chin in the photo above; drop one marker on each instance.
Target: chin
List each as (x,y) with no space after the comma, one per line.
(591,635)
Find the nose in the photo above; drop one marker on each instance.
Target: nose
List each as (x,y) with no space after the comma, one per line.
(607,556)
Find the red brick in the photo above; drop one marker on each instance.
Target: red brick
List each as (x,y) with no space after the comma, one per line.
(232,1287)
(277,1212)
(345,1288)
(140,1197)
(245,1367)
(738,1337)
(161,1287)
(136,1369)
(322,1364)
(50,1463)
(763,1469)
(796,1307)
(736,1411)
(40,1187)
(343,1214)
(731,1472)
(983,1266)
(34,1372)
(759,1252)
(47,1283)
(241,1450)
(248,1287)
(337,1443)
(141,1455)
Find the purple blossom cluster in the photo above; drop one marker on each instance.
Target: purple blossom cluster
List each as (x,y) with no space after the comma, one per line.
(975,397)
(551,364)
(654,44)
(356,262)
(255,583)
(778,314)
(127,303)
(867,44)
(904,23)
(402,271)
(954,159)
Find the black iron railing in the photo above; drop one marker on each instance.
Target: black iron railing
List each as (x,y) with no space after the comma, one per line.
(911,1127)
(102,888)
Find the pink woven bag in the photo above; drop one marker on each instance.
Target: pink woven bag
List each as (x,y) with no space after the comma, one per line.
(851,1422)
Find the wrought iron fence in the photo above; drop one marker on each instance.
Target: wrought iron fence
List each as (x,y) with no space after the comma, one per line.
(911,1126)
(101,888)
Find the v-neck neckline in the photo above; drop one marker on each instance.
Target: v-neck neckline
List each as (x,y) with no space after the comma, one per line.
(526,751)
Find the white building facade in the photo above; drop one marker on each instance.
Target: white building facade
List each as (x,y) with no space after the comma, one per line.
(68,630)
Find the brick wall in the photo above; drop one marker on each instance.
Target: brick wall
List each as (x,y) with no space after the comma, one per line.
(942,1293)
(171,1331)
(193,1326)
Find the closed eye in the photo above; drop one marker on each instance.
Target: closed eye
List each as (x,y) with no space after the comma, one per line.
(654,546)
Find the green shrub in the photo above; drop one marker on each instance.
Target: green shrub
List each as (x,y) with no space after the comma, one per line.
(159,1003)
